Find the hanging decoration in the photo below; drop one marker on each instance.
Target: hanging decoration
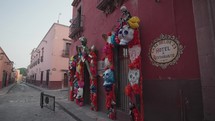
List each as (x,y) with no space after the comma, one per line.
(108,75)
(85,57)
(130,37)
(72,70)
(93,79)
(126,33)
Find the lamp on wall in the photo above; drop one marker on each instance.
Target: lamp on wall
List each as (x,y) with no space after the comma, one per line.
(44,41)
(157,1)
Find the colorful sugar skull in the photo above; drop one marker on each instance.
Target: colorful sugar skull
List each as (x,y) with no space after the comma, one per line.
(108,79)
(79,93)
(125,35)
(133,76)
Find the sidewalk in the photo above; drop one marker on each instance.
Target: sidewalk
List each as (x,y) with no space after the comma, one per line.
(79,113)
(5,90)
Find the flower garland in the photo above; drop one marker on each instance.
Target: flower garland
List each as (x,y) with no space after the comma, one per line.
(108,76)
(93,80)
(89,58)
(72,71)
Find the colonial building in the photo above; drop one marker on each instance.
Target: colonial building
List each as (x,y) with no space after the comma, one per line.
(6,70)
(49,61)
(176,49)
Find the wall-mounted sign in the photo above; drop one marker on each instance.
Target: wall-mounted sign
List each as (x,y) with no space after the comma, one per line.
(165,51)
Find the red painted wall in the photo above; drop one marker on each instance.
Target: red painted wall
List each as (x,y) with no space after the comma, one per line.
(173,17)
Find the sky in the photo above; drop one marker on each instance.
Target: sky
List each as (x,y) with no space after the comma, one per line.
(24,23)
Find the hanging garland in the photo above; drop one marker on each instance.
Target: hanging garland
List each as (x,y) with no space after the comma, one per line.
(130,24)
(125,34)
(108,76)
(93,79)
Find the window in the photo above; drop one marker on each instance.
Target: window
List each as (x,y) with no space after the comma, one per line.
(67,48)
(42,54)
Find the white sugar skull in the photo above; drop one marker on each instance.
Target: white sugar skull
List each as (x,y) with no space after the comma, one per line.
(79,93)
(133,76)
(125,35)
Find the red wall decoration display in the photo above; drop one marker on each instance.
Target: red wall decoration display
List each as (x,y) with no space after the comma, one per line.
(84,57)
(126,33)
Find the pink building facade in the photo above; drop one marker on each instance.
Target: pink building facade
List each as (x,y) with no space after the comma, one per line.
(6,70)
(49,61)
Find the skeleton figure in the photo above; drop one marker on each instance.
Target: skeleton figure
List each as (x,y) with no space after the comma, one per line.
(125,15)
(125,35)
(133,76)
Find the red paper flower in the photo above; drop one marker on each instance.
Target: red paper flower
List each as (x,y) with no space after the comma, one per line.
(128,90)
(136,89)
(135,64)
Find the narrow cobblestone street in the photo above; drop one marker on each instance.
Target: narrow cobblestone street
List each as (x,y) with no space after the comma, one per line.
(22,103)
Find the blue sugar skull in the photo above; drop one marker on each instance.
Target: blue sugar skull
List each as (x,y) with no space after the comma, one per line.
(108,78)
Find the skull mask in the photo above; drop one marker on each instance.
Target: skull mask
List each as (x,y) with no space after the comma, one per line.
(125,35)
(133,76)
(108,78)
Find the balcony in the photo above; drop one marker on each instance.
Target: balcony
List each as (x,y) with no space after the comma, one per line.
(65,53)
(76,27)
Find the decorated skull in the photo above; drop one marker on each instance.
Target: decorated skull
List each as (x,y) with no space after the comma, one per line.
(133,76)
(108,79)
(125,35)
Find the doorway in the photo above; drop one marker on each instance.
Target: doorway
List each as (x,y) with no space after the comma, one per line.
(86,86)
(65,80)
(47,78)
(41,77)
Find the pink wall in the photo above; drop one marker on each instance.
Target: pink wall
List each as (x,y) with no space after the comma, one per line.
(5,66)
(53,44)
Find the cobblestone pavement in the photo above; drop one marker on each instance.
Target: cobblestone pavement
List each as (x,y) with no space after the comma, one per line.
(22,103)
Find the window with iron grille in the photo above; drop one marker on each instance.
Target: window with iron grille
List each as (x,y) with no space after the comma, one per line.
(121,61)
